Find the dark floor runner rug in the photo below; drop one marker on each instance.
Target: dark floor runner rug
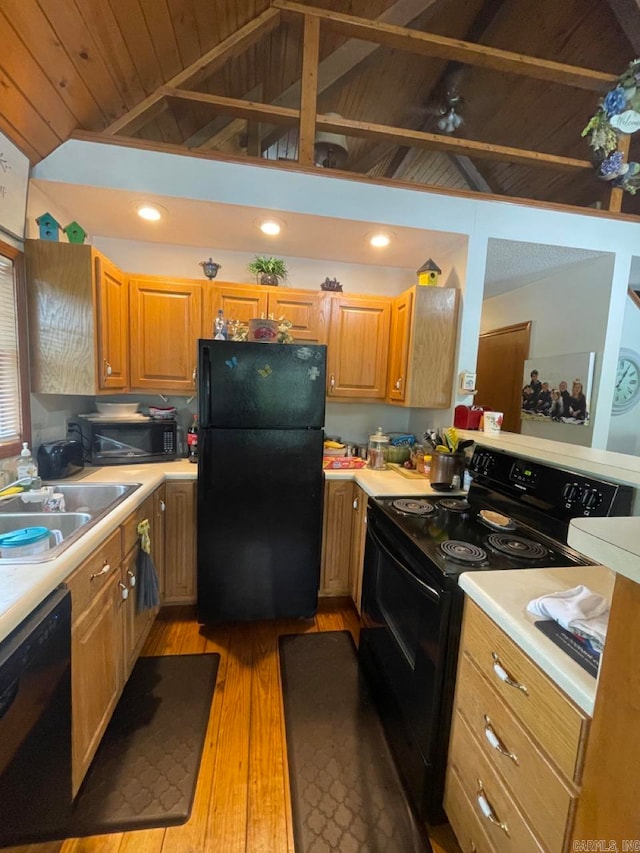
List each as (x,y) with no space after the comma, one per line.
(345,790)
(145,770)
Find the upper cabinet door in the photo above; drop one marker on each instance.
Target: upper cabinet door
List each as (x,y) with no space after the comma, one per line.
(112,325)
(358,347)
(240,302)
(166,320)
(401,323)
(303,308)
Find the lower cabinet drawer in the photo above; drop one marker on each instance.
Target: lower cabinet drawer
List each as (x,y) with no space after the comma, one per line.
(505,825)
(545,798)
(558,725)
(463,817)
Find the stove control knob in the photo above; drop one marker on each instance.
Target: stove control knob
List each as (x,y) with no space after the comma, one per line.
(591,499)
(571,493)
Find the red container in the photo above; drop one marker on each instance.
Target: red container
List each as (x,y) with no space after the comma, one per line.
(467,417)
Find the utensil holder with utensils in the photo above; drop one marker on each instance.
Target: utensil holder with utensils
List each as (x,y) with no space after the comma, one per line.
(444,466)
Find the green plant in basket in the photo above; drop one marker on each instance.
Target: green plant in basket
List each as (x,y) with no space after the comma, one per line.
(268,270)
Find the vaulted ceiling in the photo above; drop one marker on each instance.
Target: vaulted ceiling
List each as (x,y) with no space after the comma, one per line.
(81,65)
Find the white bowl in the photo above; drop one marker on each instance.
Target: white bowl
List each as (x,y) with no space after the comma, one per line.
(117,410)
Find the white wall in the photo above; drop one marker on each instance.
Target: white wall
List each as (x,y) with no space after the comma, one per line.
(568,311)
(325,194)
(183,261)
(624,432)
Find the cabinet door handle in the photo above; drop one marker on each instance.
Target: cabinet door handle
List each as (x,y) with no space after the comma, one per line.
(194,376)
(487,810)
(163,506)
(107,369)
(356,504)
(503,675)
(398,383)
(332,382)
(496,743)
(123,591)
(132,578)
(103,571)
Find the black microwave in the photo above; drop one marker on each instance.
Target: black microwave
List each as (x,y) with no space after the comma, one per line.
(125,442)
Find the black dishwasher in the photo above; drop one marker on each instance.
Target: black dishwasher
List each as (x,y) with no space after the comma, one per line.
(35,724)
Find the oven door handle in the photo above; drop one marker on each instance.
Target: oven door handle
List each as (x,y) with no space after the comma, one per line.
(429,591)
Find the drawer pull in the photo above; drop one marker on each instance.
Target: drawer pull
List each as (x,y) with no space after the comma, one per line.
(124,590)
(495,741)
(487,810)
(132,578)
(503,675)
(103,571)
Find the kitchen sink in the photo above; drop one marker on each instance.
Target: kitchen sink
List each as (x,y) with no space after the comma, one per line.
(85,505)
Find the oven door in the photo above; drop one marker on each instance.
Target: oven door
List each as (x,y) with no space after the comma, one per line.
(406,619)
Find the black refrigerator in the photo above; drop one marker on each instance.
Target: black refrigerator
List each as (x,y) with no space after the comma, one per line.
(261,417)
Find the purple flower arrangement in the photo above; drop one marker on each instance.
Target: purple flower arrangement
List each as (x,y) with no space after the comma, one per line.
(623,100)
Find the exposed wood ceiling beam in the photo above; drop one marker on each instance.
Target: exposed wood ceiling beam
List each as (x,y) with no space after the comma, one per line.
(232,46)
(471,174)
(309,94)
(247,110)
(369,130)
(627,14)
(476,31)
(442,47)
(331,70)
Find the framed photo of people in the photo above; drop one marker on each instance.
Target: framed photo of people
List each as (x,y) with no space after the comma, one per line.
(557,389)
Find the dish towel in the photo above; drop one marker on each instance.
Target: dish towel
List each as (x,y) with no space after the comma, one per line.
(579,610)
(148,586)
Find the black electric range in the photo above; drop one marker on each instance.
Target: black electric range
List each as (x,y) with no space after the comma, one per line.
(454,535)
(412,603)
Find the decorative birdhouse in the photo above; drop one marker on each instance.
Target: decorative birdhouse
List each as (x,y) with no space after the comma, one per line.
(48,226)
(428,272)
(75,233)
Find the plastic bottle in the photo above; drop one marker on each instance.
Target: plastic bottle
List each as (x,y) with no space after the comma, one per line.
(220,327)
(26,464)
(192,441)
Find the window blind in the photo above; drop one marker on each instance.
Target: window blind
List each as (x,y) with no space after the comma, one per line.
(10,408)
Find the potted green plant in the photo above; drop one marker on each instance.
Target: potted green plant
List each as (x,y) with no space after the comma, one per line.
(268,270)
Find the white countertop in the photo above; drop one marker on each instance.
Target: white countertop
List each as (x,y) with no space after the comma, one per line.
(618,467)
(504,596)
(386,483)
(24,585)
(614,542)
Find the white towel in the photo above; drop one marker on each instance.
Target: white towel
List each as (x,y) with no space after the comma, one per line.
(579,610)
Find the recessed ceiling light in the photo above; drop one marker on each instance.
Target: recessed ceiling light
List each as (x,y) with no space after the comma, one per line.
(272,227)
(380,240)
(149,212)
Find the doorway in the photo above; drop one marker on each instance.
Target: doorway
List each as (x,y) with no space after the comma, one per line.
(501,357)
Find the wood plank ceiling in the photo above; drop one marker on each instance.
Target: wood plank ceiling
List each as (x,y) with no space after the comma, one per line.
(79,65)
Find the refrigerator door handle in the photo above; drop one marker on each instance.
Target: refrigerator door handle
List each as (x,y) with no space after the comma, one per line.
(205,386)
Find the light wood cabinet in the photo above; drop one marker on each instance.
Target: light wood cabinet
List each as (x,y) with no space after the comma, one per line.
(358,345)
(180,542)
(358,535)
(165,324)
(243,302)
(516,749)
(78,320)
(96,650)
(136,623)
(424,331)
(337,532)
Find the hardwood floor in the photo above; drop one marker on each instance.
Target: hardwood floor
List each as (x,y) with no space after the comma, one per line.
(242,797)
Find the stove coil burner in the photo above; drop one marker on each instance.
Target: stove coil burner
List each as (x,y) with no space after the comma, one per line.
(411,506)
(455,504)
(463,552)
(516,546)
